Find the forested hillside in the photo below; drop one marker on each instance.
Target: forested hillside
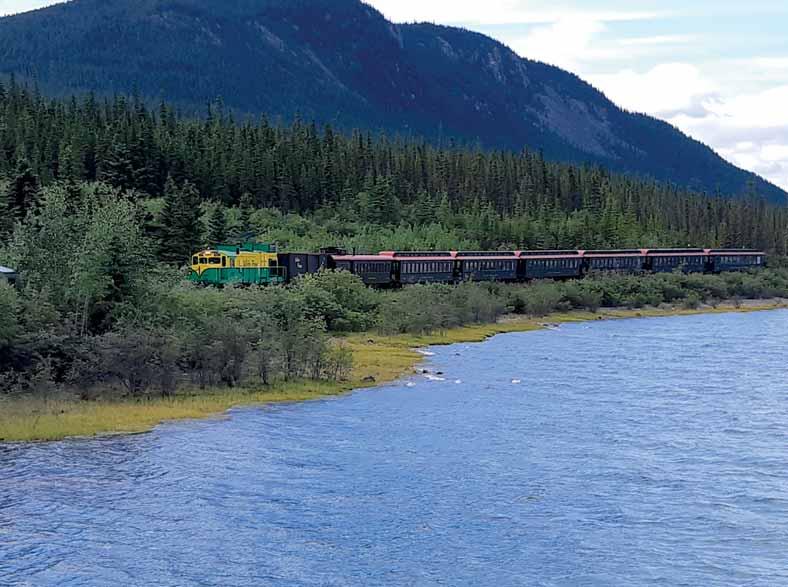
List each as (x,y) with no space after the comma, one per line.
(202,180)
(341,62)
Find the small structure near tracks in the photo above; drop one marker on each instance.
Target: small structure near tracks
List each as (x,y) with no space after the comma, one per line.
(8,275)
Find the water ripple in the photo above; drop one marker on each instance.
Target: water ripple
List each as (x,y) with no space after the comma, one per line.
(647,452)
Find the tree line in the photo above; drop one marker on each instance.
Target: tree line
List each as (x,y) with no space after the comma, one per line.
(186,168)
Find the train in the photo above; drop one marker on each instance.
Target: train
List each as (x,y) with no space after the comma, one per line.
(262,264)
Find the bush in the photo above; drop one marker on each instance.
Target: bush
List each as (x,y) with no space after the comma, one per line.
(692,301)
(140,360)
(338,298)
(583,296)
(541,298)
(419,309)
(475,303)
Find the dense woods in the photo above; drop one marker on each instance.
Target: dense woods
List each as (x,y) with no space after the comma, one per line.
(103,201)
(307,187)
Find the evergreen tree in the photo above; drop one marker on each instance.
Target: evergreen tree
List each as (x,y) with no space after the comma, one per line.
(217,226)
(424,209)
(117,169)
(22,191)
(180,222)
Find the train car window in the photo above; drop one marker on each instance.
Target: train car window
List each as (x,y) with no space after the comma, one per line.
(194,260)
(203,261)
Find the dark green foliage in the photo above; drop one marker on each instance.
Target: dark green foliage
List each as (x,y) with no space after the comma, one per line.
(355,190)
(217,226)
(335,61)
(180,220)
(538,299)
(22,191)
(339,299)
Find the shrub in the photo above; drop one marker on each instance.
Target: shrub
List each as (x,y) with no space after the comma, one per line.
(338,298)
(541,298)
(583,296)
(692,301)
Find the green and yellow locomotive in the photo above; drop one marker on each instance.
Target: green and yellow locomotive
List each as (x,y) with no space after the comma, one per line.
(248,263)
(256,264)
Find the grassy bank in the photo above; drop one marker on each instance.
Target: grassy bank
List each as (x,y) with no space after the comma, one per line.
(377,359)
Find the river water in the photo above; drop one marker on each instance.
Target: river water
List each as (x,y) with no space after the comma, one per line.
(635,452)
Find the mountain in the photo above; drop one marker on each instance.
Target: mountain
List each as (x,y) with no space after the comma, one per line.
(342,62)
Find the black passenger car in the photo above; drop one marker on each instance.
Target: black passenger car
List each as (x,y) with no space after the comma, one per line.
(735,260)
(425,269)
(372,269)
(549,264)
(668,260)
(621,261)
(487,266)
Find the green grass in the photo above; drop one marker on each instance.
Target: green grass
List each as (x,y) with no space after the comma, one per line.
(382,358)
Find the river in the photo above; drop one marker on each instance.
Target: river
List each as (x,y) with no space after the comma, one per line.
(616,453)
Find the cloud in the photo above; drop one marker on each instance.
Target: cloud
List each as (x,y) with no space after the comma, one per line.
(666,90)
(564,43)
(16,6)
(581,42)
(750,130)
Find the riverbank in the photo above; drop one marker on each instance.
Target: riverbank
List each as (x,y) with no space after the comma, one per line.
(377,360)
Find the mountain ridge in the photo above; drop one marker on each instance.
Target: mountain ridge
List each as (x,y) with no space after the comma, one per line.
(342,62)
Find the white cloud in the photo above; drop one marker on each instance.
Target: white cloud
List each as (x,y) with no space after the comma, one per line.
(580,42)
(564,43)
(664,90)
(15,6)
(751,130)
(656,40)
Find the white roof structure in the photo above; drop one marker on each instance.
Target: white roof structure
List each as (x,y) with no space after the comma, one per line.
(7,270)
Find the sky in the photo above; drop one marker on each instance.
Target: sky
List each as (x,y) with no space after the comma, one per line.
(717,70)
